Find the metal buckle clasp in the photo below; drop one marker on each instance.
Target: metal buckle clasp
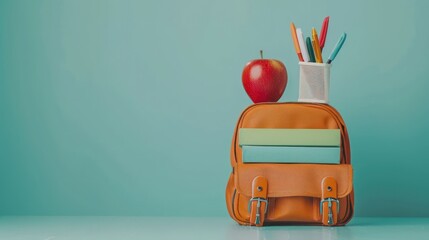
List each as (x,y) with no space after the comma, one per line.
(329,200)
(258,206)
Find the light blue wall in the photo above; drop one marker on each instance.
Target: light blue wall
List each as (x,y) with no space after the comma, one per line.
(128,107)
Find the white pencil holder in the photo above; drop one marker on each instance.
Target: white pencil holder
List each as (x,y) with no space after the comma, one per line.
(314,82)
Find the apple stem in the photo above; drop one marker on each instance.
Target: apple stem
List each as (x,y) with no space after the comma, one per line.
(262,55)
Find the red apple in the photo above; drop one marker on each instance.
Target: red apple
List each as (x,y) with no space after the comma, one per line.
(264,80)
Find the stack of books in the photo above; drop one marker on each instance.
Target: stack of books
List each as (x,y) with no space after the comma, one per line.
(265,145)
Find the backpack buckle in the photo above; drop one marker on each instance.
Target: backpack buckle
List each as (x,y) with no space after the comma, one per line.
(329,201)
(258,206)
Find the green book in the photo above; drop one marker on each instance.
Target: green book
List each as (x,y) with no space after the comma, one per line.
(289,137)
(286,154)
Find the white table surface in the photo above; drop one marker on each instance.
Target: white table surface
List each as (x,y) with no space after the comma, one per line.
(53,228)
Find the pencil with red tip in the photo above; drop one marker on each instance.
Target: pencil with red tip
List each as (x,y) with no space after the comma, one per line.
(323,32)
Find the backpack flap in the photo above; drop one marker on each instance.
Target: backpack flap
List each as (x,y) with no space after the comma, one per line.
(294,180)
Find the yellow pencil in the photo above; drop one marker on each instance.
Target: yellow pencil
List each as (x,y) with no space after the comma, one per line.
(316,45)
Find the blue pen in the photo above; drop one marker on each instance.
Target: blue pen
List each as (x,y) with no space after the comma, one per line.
(337,48)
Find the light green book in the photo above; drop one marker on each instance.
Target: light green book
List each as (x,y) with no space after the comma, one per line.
(289,137)
(287,154)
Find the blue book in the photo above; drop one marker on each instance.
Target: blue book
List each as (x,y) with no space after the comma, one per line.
(290,154)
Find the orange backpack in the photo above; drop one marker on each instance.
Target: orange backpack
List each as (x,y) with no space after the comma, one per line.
(290,193)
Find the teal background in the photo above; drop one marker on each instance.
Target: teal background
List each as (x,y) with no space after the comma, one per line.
(128,107)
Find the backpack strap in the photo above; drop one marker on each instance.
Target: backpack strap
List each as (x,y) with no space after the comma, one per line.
(258,204)
(329,204)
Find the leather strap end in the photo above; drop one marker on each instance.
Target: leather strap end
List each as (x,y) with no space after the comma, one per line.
(329,202)
(258,203)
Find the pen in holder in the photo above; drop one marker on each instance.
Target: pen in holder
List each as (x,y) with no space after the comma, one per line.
(314,82)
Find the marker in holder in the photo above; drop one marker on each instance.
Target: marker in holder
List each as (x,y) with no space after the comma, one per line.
(314,82)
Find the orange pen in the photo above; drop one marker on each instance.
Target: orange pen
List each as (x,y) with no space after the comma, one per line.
(317,50)
(295,42)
